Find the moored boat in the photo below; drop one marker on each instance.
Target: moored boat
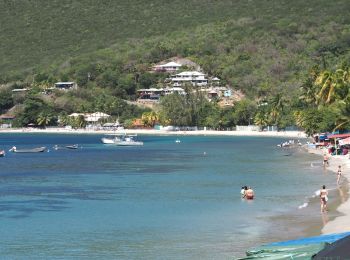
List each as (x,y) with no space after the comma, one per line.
(32,150)
(2,153)
(71,146)
(111,140)
(128,140)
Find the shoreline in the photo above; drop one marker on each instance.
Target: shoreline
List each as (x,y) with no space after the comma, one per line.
(340,223)
(286,134)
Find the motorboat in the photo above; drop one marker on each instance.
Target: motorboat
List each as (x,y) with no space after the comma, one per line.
(111,140)
(128,140)
(177,140)
(72,147)
(32,150)
(2,153)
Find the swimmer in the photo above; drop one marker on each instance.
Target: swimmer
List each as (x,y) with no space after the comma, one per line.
(249,193)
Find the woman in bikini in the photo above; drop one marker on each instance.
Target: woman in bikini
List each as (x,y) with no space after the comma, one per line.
(338,174)
(325,160)
(324,198)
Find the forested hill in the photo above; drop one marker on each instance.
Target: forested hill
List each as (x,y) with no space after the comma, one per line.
(37,33)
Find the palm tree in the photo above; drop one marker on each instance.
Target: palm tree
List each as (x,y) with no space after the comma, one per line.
(277,104)
(309,92)
(154,118)
(344,119)
(261,119)
(333,84)
(44,119)
(145,118)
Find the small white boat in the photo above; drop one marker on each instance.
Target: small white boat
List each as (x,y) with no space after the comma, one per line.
(111,140)
(128,140)
(177,140)
(2,153)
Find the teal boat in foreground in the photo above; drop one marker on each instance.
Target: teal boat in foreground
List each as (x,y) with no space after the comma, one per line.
(304,248)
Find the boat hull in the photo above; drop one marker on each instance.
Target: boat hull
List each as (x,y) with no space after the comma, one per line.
(34,150)
(128,143)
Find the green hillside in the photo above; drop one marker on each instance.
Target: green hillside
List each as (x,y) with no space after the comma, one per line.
(39,32)
(265,48)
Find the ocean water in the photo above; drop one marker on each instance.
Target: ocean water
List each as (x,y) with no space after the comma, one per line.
(164,200)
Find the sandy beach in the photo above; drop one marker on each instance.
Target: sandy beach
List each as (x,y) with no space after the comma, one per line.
(339,224)
(286,134)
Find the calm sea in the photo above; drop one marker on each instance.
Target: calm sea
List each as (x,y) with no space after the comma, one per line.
(164,200)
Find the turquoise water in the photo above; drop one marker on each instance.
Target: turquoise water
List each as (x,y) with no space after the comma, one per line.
(164,200)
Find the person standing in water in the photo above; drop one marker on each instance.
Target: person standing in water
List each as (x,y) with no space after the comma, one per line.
(324,198)
(338,174)
(325,160)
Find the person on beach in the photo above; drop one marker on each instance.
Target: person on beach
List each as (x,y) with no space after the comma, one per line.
(324,198)
(249,193)
(325,160)
(338,174)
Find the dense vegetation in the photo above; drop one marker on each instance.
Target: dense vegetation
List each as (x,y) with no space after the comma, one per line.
(274,51)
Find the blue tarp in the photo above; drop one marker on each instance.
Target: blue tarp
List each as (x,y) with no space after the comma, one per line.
(311,240)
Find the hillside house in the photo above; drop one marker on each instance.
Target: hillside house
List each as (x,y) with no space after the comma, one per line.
(168,67)
(194,78)
(154,94)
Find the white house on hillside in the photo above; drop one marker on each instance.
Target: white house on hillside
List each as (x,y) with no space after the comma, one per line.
(195,78)
(168,67)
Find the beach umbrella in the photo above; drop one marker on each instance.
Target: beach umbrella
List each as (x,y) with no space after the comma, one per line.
(344,141)
(339,249)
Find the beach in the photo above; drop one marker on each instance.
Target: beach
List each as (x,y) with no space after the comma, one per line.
(340,223)
(287,134)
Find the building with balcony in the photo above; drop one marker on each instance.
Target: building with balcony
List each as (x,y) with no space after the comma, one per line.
(194,78)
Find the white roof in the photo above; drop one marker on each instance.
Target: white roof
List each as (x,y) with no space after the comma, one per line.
(99,114)
(171,64)
(176,89)
(190,73)
(150,89)
(64,83)
(76,114)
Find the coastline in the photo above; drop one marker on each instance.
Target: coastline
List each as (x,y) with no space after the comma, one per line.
(286,134)
(341,223)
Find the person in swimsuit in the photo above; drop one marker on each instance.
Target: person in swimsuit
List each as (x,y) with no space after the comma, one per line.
(325,160)
(249,194)
(324,198)
(338,174)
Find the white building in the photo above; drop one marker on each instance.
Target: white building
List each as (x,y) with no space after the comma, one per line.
(168,67)
(66,85)
(194,78)
(93,117)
